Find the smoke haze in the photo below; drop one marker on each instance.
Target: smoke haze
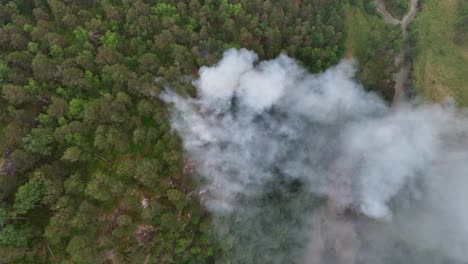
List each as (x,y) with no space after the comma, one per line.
(303,168)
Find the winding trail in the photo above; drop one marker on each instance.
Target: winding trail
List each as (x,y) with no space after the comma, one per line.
(402,60)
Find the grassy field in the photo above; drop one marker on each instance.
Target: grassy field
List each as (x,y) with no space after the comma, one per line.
(374,44)
(439,65)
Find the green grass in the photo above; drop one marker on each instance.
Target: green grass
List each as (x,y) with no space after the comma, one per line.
(357,29)
(439,65)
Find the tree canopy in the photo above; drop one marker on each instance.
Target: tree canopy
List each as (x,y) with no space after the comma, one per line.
(90,169)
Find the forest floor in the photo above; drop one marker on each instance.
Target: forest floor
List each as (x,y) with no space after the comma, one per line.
(439,69)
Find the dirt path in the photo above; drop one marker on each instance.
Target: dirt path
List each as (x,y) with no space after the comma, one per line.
(402,60)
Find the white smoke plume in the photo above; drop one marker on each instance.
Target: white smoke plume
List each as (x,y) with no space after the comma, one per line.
(270,128)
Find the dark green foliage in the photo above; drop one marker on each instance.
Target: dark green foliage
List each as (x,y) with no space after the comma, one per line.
(398,8)
(91,171)
(370,7)
(462,23)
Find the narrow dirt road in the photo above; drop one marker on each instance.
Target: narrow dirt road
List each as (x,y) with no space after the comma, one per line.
(402,60)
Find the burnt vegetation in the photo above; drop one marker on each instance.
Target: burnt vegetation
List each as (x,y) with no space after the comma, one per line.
(90,170)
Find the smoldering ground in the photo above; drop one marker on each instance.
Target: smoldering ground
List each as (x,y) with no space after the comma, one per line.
(303,168)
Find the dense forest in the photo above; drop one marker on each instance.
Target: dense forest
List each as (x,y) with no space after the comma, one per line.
(90,171)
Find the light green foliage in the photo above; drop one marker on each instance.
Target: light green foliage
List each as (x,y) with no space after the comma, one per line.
(45,119)
(162,9)
(12,5)
(56,51)
(80,36)
(230,10)
(27,28)
(233,9)
(10,236)
(110,40)
(28,196)
(76,107)
(32,87)
(39,141)
(72,154)
(33,47)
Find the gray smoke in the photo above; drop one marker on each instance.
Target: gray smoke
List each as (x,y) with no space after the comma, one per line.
(311,168)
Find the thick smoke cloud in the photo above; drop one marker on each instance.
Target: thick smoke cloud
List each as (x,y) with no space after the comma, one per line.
(383,184)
